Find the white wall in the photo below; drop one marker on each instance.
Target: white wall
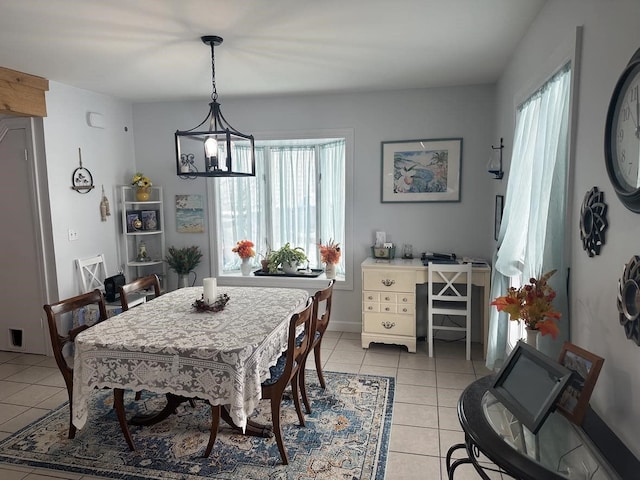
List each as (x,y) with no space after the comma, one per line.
(107,153)
(465,228)
(611,35)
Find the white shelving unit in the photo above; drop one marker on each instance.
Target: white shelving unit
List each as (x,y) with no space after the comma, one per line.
(147,231)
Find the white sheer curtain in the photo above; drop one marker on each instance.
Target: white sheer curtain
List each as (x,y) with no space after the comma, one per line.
(293,197)
(531,239)
(332,198)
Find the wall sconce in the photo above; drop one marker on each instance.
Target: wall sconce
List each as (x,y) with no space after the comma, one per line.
(495,162)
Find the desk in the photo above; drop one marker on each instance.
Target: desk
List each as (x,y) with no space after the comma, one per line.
(559,450)
(165,346)
(389,298)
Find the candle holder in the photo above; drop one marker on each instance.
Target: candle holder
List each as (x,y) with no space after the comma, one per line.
(217,306)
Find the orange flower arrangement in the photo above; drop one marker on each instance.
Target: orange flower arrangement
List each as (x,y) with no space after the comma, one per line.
(531,303)
(244,249)
(330,253)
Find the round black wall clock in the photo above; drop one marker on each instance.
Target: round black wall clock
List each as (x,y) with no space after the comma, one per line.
(622,136)
(629,299)
(593,221)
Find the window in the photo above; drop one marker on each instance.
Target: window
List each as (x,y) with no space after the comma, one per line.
(298,196)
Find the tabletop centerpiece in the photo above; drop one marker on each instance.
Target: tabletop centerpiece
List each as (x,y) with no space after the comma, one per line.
(245,250)
(143,185)
(201,305)
(532,304)
(330,256)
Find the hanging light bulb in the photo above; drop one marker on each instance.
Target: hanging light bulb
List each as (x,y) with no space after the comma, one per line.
(211,154)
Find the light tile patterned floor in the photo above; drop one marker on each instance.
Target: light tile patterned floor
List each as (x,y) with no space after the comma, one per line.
(425,422)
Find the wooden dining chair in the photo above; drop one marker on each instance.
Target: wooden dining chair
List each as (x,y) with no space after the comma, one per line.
(320,317)
(141,284)
(62,346)
(283,373)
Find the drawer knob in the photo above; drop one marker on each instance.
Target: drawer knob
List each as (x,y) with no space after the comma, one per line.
(370,297)
(387,298)
(386,309)
(404,310)
(405,300)
(388,325)
(387,282)
(370,307)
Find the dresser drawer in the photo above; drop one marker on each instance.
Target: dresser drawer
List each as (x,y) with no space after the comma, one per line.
(389,280)
(370,296)
(389,324)
(370,307)
(386,297)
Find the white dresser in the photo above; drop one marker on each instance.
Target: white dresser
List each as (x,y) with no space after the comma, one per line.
(389,300)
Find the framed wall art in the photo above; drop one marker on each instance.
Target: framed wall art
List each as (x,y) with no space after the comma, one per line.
(421,170)
(189,214)
(585,368)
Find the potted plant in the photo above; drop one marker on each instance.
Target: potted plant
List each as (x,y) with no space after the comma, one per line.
(183,261)
(288,257)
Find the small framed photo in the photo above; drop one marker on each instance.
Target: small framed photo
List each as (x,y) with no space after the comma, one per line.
(497,222)
(150,220)
(134,221)
(585,368)
(421,170)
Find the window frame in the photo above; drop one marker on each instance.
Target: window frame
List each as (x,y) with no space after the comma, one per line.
(235,278)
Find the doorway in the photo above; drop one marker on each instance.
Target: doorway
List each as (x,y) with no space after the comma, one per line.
(23,280)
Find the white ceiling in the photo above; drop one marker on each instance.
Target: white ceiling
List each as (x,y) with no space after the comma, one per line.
(150,50)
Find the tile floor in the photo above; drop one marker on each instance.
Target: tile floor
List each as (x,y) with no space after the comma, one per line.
(425,421)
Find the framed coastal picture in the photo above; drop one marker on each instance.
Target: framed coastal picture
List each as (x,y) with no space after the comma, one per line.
(189,213)
(421,170)
(585,367)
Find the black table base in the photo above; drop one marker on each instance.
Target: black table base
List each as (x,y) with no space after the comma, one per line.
(473,455)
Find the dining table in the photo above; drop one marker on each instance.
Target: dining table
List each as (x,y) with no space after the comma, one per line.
(168,346)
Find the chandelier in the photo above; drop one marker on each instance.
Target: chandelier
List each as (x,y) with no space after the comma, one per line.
(220,151)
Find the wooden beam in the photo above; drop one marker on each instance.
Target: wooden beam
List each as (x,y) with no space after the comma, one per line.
(22,94)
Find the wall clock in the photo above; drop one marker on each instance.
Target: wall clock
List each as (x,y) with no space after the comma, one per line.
(622,136)
(629,299)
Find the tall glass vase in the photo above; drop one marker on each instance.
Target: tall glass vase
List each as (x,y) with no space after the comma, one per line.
(245,267)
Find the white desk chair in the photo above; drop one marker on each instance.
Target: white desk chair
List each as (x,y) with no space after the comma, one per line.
(92,272)
(450,295)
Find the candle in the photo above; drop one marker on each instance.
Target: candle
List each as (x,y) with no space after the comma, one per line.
(209,290)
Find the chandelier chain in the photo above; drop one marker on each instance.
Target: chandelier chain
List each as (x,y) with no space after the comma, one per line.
(214,93)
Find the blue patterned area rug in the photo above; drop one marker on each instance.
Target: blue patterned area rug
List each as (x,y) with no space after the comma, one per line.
(346,437)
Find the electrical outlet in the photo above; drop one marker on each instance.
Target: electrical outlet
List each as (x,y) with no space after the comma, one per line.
(73,235)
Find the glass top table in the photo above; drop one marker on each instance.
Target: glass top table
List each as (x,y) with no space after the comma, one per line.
(560,449)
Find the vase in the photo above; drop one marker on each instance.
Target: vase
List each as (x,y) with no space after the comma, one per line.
(245,267)
(183,280)
(532,337)
(290,268)
(330,270)
(143,194)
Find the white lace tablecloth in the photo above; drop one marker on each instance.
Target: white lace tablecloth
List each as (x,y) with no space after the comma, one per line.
(165,346)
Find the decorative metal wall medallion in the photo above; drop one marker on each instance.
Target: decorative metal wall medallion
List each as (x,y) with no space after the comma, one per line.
(629,299)
(593,221)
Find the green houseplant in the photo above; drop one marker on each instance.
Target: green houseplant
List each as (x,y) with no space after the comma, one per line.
(287,256)
(183,261)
